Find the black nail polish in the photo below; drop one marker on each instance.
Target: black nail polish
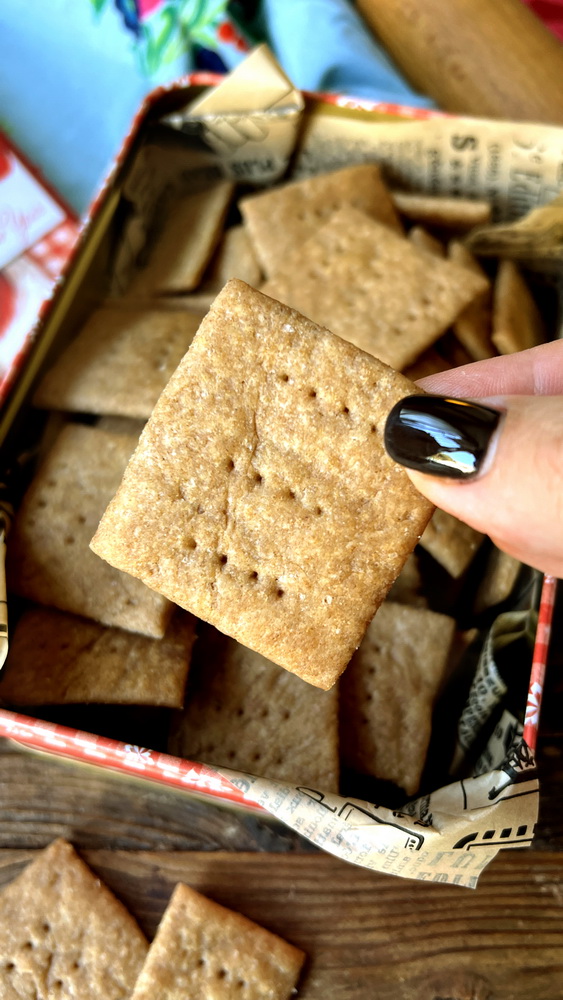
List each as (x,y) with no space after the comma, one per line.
(440,436)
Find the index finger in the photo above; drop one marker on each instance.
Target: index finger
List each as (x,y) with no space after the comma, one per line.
(536,372)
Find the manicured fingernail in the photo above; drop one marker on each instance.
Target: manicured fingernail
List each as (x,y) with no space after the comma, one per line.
(440,436)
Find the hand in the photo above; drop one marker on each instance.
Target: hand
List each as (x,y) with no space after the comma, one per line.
(498,464)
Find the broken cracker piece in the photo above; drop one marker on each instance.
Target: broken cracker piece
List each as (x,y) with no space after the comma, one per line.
(443,212)
(202,949)
(245,712)
(517,323)
(261,497)
(451,542)
(373,288)
(64,934)
(60,659)
(388,691)
(282,219)
(49,560)
(119,363)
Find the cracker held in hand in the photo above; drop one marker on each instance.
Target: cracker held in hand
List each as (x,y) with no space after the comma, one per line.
(49,560)
(282,219)
(388,692)
(373,288)
(261,497)
(180,251)
(247,713)
(119,363)
(204,950)
(60,659)
(63,934)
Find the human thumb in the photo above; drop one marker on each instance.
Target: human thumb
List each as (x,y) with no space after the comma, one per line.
(495,463)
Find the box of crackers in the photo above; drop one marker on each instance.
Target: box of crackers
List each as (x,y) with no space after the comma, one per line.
(218,579)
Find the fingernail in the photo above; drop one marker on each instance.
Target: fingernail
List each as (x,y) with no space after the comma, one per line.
(440,436)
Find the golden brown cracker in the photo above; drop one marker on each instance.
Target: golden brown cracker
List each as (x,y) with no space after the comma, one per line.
(451,542)
(373,288)
(119,363)
(473,326)
(59,659)
(279,221)
(49,560)
(181,250)
(517,323)
(63,934)
(234,258)
(261,497)
(442,212)
(388,692)
(202,949)
(243,711)
(425,241)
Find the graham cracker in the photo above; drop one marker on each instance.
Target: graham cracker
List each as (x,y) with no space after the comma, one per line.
(451,542)
(247,713)
(388,692)
(261,497)
(373,288)
(202,949)
(59,659)
(442,212)
(430,362)
(425,241)
(119,363)
(49,560)
(64,934)
(498,580)
(517,323)
(473,326)
(280,220)
(182,249)
(234,258)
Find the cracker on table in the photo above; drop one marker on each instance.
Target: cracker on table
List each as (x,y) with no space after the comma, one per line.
(49,560)
(234,258)
(373,288)
(451,542)
(425,241)
(60,659)
(64,934)
(280,220)
(498,580)
(243,711)
(517,323)
(388,691)
(442,212)
(202,949)
(261,497)
(473,326)
(119,363)
(181,250)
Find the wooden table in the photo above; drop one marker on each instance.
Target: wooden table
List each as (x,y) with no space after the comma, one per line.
(369,936)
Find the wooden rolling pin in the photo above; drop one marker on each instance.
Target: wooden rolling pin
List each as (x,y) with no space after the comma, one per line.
(491,58)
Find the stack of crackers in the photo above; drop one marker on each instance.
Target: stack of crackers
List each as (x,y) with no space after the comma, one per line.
(64,934)
(257,506)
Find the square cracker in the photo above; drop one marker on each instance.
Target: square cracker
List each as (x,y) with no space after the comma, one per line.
(373,288)
(388,692)
(60,659)
(245,712)
(440,211)
(182,249)
(119,363)
(451,542)
(473,326)
(63,934)
(261,497)
(49,560)
(517,323)
(202,949)
(282,219)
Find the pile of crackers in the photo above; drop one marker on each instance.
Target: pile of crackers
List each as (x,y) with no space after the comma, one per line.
(257,507)
(64,934)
